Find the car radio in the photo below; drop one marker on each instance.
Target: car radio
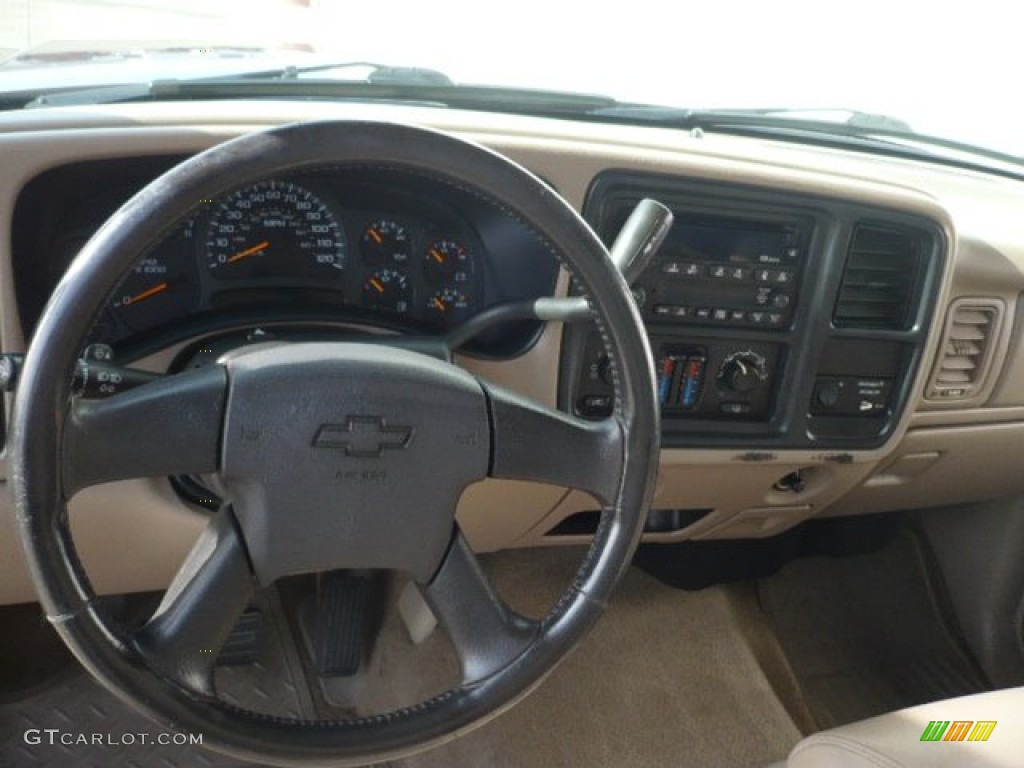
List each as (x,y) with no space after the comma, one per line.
(725,272)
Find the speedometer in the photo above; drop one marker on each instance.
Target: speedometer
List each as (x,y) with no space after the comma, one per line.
(274,229)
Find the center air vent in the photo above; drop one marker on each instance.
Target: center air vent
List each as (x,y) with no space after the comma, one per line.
(879,279)
(966,351)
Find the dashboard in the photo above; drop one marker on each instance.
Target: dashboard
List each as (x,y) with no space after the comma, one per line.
(365,248)
(834,333)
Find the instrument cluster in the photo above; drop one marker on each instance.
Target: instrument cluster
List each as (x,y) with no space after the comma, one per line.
(310,247)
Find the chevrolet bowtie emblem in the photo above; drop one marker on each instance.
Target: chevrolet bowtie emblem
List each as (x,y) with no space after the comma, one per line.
(363,436)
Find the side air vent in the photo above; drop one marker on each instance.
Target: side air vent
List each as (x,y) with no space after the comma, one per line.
(966,352)
(879,279)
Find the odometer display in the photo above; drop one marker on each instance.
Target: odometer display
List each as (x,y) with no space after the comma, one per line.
(274,229)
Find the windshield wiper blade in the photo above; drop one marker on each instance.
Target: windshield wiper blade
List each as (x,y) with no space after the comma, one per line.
(861,131)
(390,86)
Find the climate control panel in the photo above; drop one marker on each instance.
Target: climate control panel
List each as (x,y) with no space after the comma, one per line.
(707,379)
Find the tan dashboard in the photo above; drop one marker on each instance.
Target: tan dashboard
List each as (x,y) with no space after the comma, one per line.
(955,441)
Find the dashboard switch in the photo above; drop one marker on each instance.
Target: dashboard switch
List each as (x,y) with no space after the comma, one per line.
(595,406)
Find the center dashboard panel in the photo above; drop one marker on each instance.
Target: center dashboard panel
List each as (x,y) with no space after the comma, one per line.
(775,320)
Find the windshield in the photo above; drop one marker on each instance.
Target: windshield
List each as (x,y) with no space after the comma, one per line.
(940,70)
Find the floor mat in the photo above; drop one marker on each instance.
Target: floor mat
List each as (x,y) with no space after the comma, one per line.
(864,634)
(73,721)
(665,679)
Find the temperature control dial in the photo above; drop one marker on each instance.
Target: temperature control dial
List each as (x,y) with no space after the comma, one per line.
(743,371)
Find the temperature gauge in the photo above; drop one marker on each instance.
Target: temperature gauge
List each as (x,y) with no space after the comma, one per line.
(386,242)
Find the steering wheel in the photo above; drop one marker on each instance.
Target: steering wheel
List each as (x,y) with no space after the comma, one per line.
(331,455)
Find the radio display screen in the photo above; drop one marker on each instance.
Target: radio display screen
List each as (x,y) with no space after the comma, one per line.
(729,242)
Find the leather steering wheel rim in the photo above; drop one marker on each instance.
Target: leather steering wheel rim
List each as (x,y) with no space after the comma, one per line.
(44,423)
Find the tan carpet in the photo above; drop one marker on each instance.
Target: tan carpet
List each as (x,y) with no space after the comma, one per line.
(666,679)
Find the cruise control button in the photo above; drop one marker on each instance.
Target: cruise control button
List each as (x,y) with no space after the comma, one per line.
(763,275)
(718,271)
(737,315)
(672,268)
(703,313)
(783,277)
(776,318)
(692,270)
(721,315)
(758,317)
(678,311)
(663,310)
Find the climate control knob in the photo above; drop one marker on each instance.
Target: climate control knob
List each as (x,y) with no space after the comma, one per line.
(742,372)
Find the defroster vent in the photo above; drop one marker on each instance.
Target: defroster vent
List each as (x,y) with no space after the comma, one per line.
(880,279)
(966,352)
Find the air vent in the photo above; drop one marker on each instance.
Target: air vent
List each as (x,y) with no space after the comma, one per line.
(965,355)
(879,279)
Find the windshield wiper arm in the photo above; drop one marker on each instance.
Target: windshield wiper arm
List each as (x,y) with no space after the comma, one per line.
(377,74)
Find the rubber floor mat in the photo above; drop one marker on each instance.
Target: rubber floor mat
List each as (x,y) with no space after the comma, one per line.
(864,634)
(74,721)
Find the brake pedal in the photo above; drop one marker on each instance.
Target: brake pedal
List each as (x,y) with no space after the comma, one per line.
(336,622)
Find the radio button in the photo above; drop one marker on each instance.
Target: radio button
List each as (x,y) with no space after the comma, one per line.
(702,313)
(776,318)
(764,275)
(783,277)
(718,271)
(672,268)
(737,316)
(692,270)
(721,315)
(663,310)
(739,273)
(758,317)
(680,312)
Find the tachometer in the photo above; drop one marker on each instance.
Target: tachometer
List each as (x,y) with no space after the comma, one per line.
(163,285)
(275,229)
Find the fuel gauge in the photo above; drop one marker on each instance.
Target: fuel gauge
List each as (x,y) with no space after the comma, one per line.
(387,289)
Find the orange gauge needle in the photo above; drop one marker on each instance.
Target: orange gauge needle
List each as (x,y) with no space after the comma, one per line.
(249,251)
(439,304)
(145,294)
(376,237)
(376,284)
(437,256)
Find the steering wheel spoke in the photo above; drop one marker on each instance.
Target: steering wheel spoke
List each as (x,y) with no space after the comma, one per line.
(171,426)
(533,442)
(201,606)
(486,633)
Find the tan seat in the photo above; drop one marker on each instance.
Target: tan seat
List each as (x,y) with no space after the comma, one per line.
(895,740)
